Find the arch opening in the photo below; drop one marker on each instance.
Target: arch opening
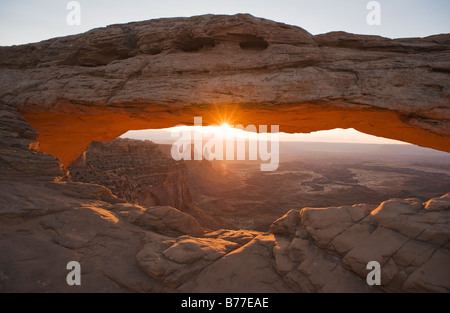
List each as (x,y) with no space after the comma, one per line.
(321,169)
(67,133)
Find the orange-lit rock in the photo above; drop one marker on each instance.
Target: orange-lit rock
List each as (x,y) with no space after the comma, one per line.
(159,73)
(154,74)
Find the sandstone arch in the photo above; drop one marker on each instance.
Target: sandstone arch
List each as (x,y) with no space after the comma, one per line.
(160,73)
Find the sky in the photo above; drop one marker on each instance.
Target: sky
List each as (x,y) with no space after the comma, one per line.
(336,135)
(25,21)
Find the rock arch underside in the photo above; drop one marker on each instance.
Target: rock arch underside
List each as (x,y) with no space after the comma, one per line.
(59,95)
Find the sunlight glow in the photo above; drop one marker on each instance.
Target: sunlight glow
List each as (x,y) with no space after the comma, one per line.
(333,136)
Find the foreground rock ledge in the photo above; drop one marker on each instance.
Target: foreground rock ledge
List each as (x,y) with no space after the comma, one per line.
(123,248)
(159,73)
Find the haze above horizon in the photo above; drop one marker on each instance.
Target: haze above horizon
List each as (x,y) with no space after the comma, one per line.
(330,136)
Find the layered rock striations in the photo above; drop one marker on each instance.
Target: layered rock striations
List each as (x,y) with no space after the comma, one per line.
(407,237)
(160,73)
(141,172)
(47,221)
(134,170)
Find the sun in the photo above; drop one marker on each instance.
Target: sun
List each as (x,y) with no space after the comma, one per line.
(225,129)
(226,115)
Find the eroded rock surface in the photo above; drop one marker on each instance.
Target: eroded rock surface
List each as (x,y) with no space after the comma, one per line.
(402,235)
(163,219)
(126,248)
(47,221)
(161,73)
(134,170)
(139,172)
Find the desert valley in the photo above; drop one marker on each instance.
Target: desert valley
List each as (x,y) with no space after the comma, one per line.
(237,195)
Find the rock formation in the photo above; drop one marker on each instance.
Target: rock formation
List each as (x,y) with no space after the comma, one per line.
(124,247)
(160,73)
(140,172)
(97,85)
(406,237)
(135,171)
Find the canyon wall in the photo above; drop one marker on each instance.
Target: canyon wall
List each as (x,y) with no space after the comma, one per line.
(140,172)
(135,171)
(58,96)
